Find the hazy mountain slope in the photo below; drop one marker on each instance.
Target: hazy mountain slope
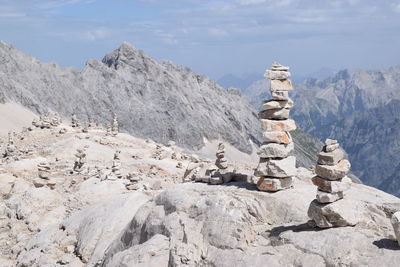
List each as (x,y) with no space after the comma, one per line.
(161,101)
(157,100)
(355,107)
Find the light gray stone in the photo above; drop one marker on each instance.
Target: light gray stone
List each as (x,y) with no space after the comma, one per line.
(325,197)
(395,220)
(279,168)
(337,214)
(331,158)
(281,85)
(329,142)
(277,74)
(277,104)
(282,125)
(275,150)
(274,114)
(280,95)
(332,186)
(271,184)
(330,148)
(279,137)
(334,172)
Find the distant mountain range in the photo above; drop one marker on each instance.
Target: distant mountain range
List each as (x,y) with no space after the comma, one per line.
(360,108)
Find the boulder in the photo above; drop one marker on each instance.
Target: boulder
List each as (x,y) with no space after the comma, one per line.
(330,148)
(279,168)
(279,137)
(332,186)
(334,172)
(271,184)
(330,158)
(281,85)
(340,213)
(275,150)
(283,125)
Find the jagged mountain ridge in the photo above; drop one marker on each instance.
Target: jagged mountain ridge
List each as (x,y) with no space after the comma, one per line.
(157,100)
(357,107)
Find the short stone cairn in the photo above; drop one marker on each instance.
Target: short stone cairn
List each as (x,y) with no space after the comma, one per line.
(326,210)
(114,125)
(277,166)
(116,165)
(80,159)
(44,173)
(75,123)
(396,225)
(222,174)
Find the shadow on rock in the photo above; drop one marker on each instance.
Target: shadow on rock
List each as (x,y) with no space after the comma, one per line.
(295,228)
(243,184)
(387,243)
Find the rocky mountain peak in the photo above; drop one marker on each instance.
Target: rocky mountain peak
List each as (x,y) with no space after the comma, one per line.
(126,56)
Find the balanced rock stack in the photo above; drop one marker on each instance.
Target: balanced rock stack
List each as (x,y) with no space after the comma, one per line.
(222,174)
(328,209)
(75,123)
(114,125)
(277,166)
(116,165)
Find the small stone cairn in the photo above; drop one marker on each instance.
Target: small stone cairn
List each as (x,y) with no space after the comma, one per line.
(11,150)
(44,172)
(75,123)
(396,225)
(331,180)
(114,125)
(80,159)
(277,166)
(222,174)
(116,165)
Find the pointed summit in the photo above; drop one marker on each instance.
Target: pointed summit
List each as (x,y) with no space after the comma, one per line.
(125,55)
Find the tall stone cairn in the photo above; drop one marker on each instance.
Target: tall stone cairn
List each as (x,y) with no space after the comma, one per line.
(277,166)
(328,209)
(75,123)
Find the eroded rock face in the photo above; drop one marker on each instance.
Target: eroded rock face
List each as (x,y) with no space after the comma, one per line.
(221,226)
(396,225)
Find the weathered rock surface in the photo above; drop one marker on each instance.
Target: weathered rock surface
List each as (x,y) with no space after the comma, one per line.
(331,158)
(274,150)
(334,172)
(285,125)
(332,186)
(278,137)
(273,184)
(276,167)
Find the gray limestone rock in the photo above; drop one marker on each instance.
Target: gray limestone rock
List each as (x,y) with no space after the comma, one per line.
(279,168)
(279,125)
(277,75)
(274,114)
(334,172)
(340,213)
(281,85)
(332,186)
(275,150)
(279,137)
(280,95)
(331,158)
(277,104)
(325,197)
(271,184)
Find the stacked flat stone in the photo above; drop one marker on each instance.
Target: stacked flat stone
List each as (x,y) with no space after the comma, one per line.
(332,182)
(277,167)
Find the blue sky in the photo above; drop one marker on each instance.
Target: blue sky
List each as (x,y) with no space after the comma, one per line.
(212,37)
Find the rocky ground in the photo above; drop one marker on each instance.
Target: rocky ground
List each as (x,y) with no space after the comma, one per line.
(149,217)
